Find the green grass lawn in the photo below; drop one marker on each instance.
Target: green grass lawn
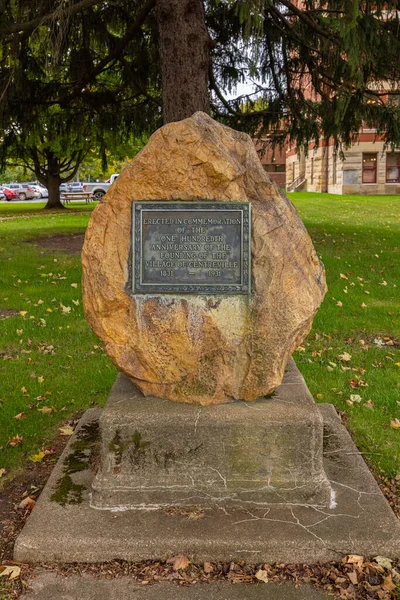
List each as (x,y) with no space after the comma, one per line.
(11,209)
(49,359)
(358,240)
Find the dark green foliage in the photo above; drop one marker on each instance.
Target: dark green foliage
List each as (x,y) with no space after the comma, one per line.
(347,51)
(88,76)
(63,92)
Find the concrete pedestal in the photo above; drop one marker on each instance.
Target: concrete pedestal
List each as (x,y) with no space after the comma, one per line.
(157,453)
(63,527)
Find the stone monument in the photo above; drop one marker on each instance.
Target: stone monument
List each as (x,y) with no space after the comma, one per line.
(210,333)
(201,280)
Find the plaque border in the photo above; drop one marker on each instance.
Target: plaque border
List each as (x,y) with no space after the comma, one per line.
(182,288)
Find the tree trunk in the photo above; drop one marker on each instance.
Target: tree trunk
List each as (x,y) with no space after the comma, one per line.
(53,186)
(53,181)
(184,48)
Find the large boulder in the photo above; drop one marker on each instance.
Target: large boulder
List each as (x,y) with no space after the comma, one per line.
(188,347)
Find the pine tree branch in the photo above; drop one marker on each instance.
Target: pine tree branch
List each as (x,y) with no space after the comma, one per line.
(58,13)
(118,50)
(224,102)
(303,15)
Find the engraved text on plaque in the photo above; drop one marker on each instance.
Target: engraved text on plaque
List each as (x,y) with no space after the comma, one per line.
(187,247)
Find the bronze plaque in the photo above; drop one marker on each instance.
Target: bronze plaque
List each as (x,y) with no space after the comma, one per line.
(191,247)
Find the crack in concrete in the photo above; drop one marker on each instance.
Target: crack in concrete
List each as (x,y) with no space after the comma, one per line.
(196,421)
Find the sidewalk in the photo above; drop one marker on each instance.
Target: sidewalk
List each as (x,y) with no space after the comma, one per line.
(52,586)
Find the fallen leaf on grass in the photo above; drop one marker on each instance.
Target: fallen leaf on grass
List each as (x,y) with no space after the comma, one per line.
(345,356)
(342,276)
(364,305)
(339,303)
(369,404)
(37,457)
(27,502)
(395,424)
(46,410)
(178,562)
(20,415)
(67,430)
(15,440)
(40,379)
(262,575)
(355,398)
(2,471)
(76,302)
(65,309)
(74,285)
(12,572)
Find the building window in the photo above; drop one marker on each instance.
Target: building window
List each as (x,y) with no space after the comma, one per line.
(369,162)
(334,168)
(275,168)
(393,167)
(312,171)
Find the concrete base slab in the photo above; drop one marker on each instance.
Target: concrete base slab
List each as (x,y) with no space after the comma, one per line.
(51,586)
(64,527)
(156,452)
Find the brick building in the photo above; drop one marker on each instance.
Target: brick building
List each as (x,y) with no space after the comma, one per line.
(367,168)
(273,161)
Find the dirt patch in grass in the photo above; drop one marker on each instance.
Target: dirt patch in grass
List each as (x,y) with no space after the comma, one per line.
(69,243)
(6,313)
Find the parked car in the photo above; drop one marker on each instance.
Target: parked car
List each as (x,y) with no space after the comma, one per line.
(2,196)
(99,189)
(9,194)
(63,188)
(23,190)
(40,191)
(75,186)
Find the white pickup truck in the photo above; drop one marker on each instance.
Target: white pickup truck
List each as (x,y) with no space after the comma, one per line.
(99,189)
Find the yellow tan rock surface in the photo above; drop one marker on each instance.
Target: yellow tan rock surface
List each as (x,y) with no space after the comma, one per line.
(202,349)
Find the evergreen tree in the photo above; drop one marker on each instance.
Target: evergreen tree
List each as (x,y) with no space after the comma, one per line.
(322,68)
(63,92)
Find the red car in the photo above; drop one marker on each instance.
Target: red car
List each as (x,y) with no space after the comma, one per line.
(9,194)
